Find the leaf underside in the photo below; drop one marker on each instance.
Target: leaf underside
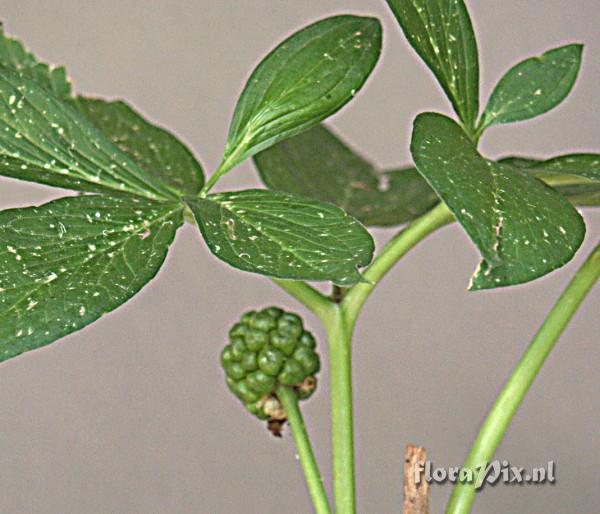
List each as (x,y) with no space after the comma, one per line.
(68,262)
(318,165)
(284,236)
(522,227)
(442,34)
(576,176)
(308,77)
(585,165)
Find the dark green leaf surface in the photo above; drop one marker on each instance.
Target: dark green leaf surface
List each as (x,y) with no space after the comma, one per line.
(523,228)
(43,139)
(283,236)
(15,57)
(534,86)
(317,164)
(308,77)
(68,262)
(155,150)
(442,34)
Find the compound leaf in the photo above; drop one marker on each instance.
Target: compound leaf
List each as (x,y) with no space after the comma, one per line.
(522,227)
(533,86)
(317,164)
(68,262)
(308,77)
(442,34)
(284,236)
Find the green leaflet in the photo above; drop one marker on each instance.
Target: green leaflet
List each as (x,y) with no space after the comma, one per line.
(308,77)
(284,236)
(523,228)
(14,56)
(317,164)
(68,262)
(43,139)
(155,150)
(442,34)
(534,86)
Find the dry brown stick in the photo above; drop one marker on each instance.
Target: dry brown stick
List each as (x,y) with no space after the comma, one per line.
(416,488)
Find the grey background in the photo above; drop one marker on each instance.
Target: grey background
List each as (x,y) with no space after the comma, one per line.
(131,415)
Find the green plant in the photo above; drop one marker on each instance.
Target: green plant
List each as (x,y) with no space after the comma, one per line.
(66,263)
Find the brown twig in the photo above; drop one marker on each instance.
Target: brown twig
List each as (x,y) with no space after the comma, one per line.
(337,294)
(416,488)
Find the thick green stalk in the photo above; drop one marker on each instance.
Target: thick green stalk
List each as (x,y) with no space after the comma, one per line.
(342,430)
(393,251)
(314,480)
(505,407)
(339,324)
(308,296)
(339,321)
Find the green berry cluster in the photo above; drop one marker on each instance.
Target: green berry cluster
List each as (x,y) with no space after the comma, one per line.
(267,349)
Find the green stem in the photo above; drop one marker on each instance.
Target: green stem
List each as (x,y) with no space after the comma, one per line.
(342,432)
(308,296)
(212,181)
(314,480)
(229,161)
(393,251)
(505,407)
(339,321)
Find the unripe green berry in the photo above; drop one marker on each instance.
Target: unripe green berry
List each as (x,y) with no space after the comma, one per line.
(291,324)
(226,357)
(256,339)
(274,312)
(237,330)
(246,393)
(307,339)
(247,317)
(308,359)
(270,360)
(292,373)
(249,361)
(267,349)
(283,341)
(260,382)
(263,321)
(235,371)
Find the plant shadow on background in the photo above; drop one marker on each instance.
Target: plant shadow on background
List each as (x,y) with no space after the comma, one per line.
(66,263)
